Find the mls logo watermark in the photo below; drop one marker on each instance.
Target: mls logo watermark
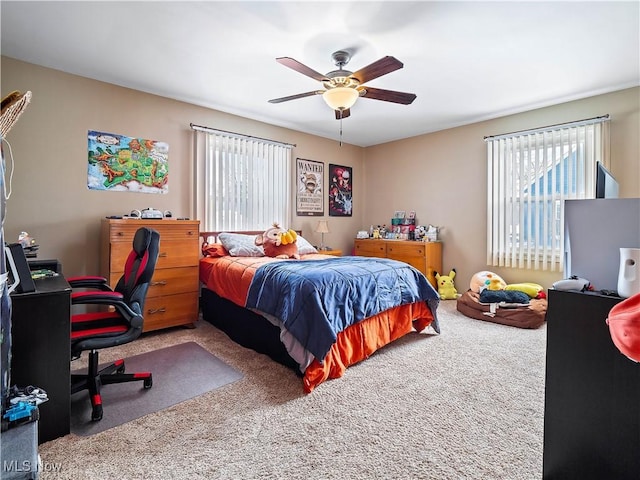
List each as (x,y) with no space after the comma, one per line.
(24,466)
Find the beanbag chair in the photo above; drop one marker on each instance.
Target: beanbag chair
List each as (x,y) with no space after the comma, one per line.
(531,315)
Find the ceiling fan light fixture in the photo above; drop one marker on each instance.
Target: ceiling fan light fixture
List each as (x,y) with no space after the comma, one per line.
(341,98)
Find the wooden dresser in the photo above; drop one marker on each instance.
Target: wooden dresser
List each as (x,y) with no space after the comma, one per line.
(172,298)
(425,256)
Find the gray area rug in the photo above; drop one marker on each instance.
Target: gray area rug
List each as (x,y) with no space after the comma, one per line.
(180,372)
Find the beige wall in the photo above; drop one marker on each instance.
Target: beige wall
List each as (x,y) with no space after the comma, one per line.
(50,198)
(442,176)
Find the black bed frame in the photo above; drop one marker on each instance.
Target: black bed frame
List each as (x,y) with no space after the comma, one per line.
(245,328)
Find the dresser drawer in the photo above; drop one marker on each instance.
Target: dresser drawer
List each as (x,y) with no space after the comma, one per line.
(170,310)
(168,281)
(171,254)
(416,249)
(370,248)
(169,230)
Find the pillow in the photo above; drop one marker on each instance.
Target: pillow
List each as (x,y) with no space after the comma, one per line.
(214,250)
(531,289)
(241,245)
(304,247)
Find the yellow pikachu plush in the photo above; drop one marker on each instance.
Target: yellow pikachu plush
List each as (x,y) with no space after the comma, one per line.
(446,288)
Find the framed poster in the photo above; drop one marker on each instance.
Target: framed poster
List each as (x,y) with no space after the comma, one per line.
(340,191)
(121,163)
(309,192)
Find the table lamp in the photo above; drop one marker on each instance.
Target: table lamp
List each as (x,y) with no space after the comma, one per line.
(322,228)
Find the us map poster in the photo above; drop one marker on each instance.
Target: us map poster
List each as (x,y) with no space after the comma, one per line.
(121,163)
(309,198)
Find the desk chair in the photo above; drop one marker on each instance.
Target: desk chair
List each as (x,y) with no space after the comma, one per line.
(121,323)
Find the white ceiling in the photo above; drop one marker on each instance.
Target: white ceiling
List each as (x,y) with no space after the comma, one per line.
(465,61)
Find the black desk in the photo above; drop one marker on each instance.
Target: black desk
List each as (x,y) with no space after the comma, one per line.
(41,351)
(592,394)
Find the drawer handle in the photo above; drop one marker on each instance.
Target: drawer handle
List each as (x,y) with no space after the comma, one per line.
(162,254)
(162,282)
(121,234)
(156,310)
(190,232)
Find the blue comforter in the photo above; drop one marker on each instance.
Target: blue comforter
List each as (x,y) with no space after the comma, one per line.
(317,299)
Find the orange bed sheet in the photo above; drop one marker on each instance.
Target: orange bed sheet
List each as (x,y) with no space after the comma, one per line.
(230,277)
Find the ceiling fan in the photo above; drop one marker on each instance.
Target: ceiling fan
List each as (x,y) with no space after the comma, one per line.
(343,88)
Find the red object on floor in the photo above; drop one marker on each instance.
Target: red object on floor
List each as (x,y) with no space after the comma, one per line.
(624,327)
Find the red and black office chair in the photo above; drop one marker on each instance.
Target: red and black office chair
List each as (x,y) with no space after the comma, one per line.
(120,323)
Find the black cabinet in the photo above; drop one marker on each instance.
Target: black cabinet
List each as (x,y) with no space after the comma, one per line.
(41,351)
(592,394)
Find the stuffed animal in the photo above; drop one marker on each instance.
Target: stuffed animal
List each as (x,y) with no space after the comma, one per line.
(485,279)
(278,242)
(624,327)
(533,290)
(446,288)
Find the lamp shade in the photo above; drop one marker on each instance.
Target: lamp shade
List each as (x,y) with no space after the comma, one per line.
(341,98)
(323,227)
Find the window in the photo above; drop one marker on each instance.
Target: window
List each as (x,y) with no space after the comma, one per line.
(241,182)
(530,174)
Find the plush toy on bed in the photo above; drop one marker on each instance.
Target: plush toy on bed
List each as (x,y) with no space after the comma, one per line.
(278,242)
(446,287)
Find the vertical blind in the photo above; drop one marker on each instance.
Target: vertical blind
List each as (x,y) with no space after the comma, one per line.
(530,175)
(242,182)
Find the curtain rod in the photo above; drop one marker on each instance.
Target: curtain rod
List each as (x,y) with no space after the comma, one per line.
(588,121)
(239,135)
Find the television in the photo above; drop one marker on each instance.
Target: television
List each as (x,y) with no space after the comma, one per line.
(595,230)
(606,184)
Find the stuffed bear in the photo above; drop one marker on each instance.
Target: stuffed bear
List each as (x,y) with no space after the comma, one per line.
(446,288)
(278,242)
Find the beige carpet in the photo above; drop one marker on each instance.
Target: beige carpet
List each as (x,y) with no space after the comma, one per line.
(467,404)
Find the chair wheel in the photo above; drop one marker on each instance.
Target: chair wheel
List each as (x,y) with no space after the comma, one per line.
(96,413)
(148,383)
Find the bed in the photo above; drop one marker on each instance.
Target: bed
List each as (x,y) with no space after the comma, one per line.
(317,315)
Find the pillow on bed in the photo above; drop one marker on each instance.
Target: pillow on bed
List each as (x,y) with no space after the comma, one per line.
(214,250)
(241,245)
(304,247)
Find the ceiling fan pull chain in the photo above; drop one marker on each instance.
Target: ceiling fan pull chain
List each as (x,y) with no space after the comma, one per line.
(340,127)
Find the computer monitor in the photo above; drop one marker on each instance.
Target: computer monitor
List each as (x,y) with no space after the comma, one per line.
(595,230)
(19,273)
(606,184)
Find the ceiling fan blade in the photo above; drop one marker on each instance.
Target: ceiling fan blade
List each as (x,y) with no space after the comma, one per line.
(301,68)
(295,97)
(377,69)
(343,113)
(388,95)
